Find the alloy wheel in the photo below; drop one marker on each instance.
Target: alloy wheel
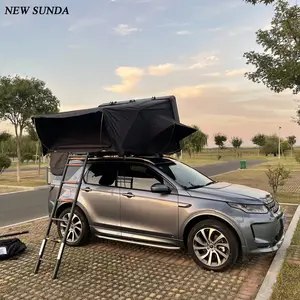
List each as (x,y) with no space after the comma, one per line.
(75,230)
(211,247)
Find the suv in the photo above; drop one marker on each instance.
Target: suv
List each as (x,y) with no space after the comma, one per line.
(164,203)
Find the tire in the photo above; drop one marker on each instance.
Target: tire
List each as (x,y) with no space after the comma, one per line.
(226,248)
(81,232)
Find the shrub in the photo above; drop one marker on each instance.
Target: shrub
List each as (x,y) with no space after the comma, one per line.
(277,176)
(297,157)
(5,162)
(27,157)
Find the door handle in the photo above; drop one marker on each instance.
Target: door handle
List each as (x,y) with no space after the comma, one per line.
(128,195)
(184,205)
(87,189)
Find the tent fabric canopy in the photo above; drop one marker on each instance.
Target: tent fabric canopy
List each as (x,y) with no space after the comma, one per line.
(136,127)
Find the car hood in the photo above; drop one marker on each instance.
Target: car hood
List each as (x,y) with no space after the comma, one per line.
(224,191)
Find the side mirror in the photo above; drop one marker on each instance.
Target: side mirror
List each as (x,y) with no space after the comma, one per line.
(160,188)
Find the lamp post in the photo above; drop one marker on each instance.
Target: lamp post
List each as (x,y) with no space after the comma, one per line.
(279,142)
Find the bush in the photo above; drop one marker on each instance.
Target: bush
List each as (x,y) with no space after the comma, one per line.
(5,162)
(297,157)
(27,157)
(277,177)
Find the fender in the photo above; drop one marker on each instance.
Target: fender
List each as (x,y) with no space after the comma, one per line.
(217,214)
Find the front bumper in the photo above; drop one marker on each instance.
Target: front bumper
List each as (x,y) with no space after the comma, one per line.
(268,236)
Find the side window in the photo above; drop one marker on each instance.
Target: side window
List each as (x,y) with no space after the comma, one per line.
(102,173)
(70,173)
(138,177)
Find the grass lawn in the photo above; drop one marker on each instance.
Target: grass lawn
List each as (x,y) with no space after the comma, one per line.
(287,286)
(28,178)
(25,166)
(256,178)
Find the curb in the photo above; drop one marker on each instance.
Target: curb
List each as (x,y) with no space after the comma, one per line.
(24,222)
(22,189)
(266,289)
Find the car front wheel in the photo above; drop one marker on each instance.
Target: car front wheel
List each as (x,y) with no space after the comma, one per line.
(213,245)
(79,230)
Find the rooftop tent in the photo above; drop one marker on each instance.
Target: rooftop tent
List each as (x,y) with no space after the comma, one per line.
(136,127)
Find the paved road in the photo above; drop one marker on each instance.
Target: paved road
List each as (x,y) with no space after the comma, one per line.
(212,170)
(24,206)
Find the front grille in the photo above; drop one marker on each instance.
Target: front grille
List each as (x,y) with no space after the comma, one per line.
(272,204)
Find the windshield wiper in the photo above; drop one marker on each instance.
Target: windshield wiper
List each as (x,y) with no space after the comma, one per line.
(197,186)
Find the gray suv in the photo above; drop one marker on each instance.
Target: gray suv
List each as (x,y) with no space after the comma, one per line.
(164,203)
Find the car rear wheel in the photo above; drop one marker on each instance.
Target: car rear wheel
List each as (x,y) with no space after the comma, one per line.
(213,245)
(79,231)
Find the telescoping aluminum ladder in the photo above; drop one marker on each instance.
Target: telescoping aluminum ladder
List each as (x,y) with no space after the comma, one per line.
(83,158)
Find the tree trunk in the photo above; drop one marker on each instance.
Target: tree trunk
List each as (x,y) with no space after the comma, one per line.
(18,140)
(291,151)
(36,152)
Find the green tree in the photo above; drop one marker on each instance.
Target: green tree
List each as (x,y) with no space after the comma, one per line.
(5,162)
(4,136)
(271,145)
(22,98)
(284,146)
(292,141)
(260,1)
(278,67)
(277,176)
(195,142)
(220,140)
(259,140)
(236,143)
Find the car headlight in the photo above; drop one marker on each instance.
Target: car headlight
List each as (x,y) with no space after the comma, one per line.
(250,208)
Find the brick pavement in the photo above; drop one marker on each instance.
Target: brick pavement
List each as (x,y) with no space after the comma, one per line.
(109,270)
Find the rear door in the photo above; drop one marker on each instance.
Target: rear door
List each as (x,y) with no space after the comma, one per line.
(100,197)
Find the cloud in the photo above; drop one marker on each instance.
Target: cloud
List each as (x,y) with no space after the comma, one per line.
(214,29)
(183,32)
(162,69)
(240,30)
(236,72)
(85,23)
(201,61)
(125,29)
(173,24)
(130,77)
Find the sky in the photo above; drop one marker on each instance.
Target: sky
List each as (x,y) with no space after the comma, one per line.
(110,50)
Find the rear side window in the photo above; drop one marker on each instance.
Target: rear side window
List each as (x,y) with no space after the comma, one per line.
(102,173)
(70,173)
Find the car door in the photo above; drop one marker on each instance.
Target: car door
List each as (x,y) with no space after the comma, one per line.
(101,198)
(146,215)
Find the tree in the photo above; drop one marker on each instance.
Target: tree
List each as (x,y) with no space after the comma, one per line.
(34,137)
(195,142)
(278,67)
(220,140)
(236,143)
(292,141)
(284,146)
(22,98)
(271,145)
(277,176)
(259,140)
(5,162)
(4,136)
(260,1)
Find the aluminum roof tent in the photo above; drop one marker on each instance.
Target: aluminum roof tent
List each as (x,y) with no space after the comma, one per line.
(135,127)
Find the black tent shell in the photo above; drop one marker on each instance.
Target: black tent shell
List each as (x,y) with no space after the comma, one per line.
(135,127)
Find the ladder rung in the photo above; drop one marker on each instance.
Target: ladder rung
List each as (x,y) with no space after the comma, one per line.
(52,239)
(59,220)
(74,165)
(77,158)
(66,200)
(70,182)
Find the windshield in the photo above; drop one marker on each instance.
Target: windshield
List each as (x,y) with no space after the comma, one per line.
(184,175)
